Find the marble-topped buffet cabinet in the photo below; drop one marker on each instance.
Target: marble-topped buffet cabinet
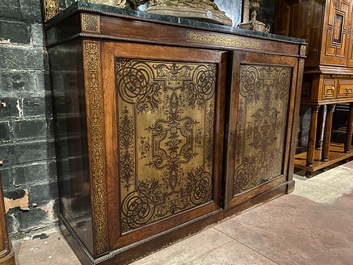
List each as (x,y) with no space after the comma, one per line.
(165,125)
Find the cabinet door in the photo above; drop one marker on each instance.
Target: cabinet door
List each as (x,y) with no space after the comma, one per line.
(164,124)
(260,125)
(335,40)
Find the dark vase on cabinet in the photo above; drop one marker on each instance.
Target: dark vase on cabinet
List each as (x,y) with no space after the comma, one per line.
(159,135)
(328,73)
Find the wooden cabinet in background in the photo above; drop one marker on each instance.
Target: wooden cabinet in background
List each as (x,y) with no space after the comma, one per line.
(164,127)
(328,73)
(7,254)
(335,33)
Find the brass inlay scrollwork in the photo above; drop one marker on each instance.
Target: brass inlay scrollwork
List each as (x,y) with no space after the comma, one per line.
(165,138)
(232,41)
(90,23)
(95,127)
(261,125)
(51,8)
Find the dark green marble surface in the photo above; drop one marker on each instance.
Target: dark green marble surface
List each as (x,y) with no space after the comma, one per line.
(140,15)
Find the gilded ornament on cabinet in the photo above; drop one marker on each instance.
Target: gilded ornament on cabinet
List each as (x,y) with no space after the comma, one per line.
(90,23)
(51,9)
(200,9)
(253,23)
(207,38)
(129,4)
(96,150)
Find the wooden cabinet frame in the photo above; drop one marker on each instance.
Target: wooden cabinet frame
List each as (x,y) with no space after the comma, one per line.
(102,62)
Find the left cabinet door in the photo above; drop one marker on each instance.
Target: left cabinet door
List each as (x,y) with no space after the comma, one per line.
(164,128)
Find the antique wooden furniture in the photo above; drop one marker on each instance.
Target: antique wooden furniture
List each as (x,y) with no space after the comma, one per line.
(165,125)
(328,75)
(7,254)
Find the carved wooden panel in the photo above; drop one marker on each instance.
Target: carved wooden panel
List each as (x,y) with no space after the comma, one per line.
(261,125)
(165,120)
(336,32)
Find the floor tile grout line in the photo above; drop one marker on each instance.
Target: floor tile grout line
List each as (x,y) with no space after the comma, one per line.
(245,245)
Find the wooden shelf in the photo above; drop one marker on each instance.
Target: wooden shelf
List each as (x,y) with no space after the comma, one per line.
(336,154)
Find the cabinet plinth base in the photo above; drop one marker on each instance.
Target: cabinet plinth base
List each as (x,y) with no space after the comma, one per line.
(9,259)
(336,154)
(136,251)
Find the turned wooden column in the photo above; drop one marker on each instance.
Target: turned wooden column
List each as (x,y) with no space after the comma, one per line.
(7,256)
(327,133)
(320,127)
(312,136)
(348,143)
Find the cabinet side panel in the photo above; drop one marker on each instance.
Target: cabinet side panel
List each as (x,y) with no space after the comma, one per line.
(71,139)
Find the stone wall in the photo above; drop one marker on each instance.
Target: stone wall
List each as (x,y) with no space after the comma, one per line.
(26,136)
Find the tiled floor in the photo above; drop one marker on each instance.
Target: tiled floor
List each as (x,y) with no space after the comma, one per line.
(311,226)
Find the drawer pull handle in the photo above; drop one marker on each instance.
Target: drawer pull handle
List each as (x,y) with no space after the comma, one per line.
(348,89)
(332,89)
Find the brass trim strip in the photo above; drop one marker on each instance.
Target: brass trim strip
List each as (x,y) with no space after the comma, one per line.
(95,127)
(232,41)
(50,8)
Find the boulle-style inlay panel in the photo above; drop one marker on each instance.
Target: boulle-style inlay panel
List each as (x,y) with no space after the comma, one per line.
(165,138)
(222,40)
(50,8)
(94,98)
(261,125)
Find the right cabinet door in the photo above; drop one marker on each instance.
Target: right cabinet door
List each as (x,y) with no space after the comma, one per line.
(260,124)
(335,39)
